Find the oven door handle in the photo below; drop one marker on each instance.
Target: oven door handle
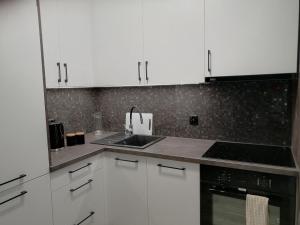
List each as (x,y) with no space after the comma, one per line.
(242,192)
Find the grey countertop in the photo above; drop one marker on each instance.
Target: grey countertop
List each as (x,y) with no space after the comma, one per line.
(173,148)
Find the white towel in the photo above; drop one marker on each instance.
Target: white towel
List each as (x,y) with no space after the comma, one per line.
(257,210)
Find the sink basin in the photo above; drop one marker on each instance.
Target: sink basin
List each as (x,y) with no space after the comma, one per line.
(139,141)
(134,141)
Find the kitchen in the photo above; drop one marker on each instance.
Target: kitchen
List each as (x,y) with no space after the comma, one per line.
(145,112)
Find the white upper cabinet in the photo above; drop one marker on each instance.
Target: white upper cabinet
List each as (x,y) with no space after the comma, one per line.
(23,145)
(76,42)
(50,22)
(174,41)
(118,42)
(248,37)
(67,40)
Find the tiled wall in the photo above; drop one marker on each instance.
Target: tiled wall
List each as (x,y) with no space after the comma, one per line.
(73,107)
(248,111)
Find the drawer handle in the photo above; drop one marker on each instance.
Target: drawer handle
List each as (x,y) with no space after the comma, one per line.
(17,196)
(75,189)
(18,178)
(171,167)
(126,160)
(91,214)
(73,171)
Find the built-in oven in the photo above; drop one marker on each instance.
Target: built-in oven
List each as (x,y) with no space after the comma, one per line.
(224,191)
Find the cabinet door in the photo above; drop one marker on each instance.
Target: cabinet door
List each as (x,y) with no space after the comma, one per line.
(50,32)
(117,42)
(251,37)
(76,42)
(174,41)
(31,207)
(23,124)
(81,201)
(173,192)
(126,190)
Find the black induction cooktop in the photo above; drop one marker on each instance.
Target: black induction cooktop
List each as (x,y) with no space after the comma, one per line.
(263,154)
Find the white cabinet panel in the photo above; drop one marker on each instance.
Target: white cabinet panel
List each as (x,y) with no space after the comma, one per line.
(126,190)
(173,193)
(23,145)
(251,37)
(118,42)
(87,202)
(32,208)
(174,41)
(76,172)
(51,42)
(67,40)
(76,42)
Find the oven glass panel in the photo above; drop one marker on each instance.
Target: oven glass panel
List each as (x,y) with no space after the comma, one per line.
(232,211)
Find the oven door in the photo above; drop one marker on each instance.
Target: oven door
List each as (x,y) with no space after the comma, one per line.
(228,207)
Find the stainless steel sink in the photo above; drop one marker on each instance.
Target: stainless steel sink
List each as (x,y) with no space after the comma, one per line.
(133,141)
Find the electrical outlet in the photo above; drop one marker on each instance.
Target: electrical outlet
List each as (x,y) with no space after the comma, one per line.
(194,120)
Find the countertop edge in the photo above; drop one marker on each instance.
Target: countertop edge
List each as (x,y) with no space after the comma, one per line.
(202,161)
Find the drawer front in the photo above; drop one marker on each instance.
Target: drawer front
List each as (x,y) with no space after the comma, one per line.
(27,204)
(81,202)
(76,172)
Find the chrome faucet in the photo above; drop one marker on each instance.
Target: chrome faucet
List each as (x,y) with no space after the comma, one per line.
(130,129)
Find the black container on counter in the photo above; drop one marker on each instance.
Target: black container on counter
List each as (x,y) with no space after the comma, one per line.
(80,139)
(71,139)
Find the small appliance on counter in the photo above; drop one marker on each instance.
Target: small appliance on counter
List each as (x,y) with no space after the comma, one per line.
(56,132)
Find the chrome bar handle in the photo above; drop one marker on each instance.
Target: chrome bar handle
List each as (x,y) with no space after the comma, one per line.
(66,70)
(59,72)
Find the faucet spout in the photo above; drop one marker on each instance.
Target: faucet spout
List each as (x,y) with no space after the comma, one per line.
(141,117)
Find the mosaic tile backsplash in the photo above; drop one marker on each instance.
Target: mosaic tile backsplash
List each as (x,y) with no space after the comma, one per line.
(243,111)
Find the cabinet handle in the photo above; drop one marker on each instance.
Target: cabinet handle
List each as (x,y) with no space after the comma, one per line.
(209,61)
(73,171)
(59,72)
(126,160)
(75,189)
(170,167)
(18,178)
(91,214)
(66,69)
(139,71)
(146,66)
(17,196)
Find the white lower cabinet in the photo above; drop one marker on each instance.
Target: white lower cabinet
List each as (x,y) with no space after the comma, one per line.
(173,192)
(27,204)
(126,189)
(80,202)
